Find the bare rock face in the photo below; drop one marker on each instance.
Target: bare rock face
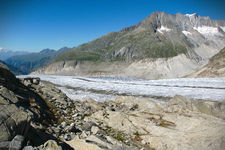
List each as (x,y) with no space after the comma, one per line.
(19,106)
(178,124)
(13,121)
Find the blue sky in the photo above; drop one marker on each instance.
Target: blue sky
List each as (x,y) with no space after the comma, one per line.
(32,25)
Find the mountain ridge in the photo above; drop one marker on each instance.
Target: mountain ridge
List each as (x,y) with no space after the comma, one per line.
(171,45)
(30,62)
(160,46)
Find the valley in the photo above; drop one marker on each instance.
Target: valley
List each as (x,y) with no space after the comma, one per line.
(156,85)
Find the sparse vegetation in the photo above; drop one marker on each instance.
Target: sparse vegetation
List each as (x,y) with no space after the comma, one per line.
(144,44)
(136,133)
(81,56)
(134,107)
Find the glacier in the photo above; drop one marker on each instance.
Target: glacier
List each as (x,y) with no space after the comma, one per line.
(103,88)
(207,30)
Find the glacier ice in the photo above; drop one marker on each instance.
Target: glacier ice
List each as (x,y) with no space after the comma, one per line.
(107,88)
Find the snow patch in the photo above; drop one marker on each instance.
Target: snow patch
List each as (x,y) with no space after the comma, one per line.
(186,33)
(207,30)
(163,29)
(190,15)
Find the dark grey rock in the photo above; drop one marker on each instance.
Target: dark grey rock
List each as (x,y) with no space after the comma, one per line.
(12,121)
(67,137)
(87,126)
(16,143)
(4,145)
(8,95)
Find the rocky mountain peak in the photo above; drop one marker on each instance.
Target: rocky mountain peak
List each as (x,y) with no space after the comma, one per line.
(47,50)
(158,36)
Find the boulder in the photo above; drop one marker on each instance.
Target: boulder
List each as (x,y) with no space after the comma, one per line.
(28,148)
(13,121)
(4,145)
(17,143)
(94,129)
(52,145)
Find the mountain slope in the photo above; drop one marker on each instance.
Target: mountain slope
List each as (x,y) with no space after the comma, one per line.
(160,41)
(14,70)
(215,67)
(158,36)
(30,62)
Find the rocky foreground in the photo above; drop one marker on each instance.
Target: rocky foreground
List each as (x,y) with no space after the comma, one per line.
(36,115)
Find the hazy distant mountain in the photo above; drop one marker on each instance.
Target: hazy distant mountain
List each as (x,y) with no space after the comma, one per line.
(160,46)
(30,62)
(5,54)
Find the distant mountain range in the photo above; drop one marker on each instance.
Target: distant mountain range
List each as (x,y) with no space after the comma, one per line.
(5,54)
(30,62)
(161,46)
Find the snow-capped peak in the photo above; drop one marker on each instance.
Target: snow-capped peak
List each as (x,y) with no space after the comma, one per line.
(1,48)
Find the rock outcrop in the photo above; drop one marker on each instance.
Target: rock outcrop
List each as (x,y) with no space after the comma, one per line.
(20,109)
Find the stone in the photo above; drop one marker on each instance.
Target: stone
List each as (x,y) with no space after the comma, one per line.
(87,126)
(72,127)
(4,145)
(94,129)
(83,135)
(12,121)
(28,148)
(36,81)
(80,144)
(16,143)
(52,145)
(9,95)
(67,137)
(63,124)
